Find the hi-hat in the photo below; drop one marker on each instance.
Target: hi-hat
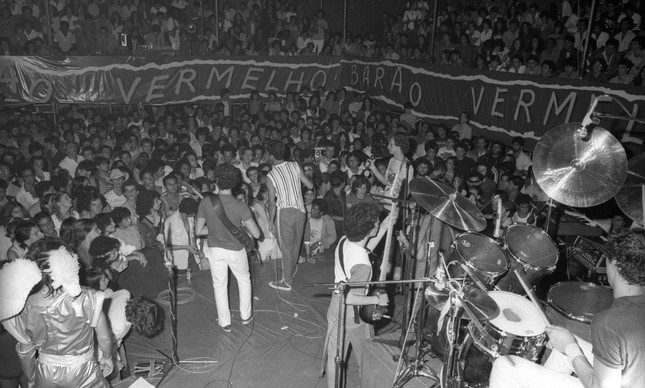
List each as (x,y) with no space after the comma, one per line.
(445,203)
(479,302)
(580,172)
(630,197)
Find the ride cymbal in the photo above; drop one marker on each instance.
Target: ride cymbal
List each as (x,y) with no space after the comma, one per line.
(445,203)
(630,197)
(579,172)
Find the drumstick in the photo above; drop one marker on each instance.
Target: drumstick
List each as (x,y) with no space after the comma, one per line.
(529,292)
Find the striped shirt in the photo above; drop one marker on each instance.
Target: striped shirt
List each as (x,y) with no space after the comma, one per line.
(286,180)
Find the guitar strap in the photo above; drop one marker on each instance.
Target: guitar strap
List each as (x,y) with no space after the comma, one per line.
(219,210)
(341,259)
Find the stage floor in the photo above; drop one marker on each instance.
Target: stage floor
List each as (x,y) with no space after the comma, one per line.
(282,348)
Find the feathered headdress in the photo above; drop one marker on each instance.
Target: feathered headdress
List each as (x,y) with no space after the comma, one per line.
(63,271)
(16,282)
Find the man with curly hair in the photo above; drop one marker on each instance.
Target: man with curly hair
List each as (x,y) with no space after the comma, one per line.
(286,209)
(352,264)
(617,334)
(223,249)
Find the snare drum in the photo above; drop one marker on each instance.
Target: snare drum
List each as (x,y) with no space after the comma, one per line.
(573,305)
(531,252)
(481,255)
(517,330)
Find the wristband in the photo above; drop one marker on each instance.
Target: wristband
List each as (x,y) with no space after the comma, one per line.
(572,351)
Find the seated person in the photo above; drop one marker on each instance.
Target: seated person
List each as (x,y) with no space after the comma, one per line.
(616,355)
(126,312)
(320,231)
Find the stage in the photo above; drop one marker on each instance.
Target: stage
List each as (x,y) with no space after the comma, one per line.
(282,348)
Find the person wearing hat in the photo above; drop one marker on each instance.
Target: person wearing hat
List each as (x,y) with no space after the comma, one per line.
(115,197)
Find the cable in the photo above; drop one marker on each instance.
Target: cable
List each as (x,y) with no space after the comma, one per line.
(237,352)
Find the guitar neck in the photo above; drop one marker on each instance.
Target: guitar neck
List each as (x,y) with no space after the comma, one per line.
(394,214)
(387,250)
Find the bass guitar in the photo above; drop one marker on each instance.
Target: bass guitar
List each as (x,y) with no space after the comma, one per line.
(375,313)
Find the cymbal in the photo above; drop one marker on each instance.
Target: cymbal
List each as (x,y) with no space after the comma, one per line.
(630,197)
(479,302)
(445,203)
(579,172)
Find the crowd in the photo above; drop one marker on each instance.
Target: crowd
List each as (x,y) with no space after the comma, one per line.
(516,38)
(129,193)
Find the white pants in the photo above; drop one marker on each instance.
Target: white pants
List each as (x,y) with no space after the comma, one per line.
(516,372)
(221,260)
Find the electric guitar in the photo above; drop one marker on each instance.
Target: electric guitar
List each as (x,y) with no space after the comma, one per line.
(375,313)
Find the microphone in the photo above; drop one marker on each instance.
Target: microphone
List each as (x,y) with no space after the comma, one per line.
(498,222)
(589,119)
(440,278)
(438,287)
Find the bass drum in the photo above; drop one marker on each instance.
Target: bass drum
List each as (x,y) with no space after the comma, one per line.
(531,252)
(480,254)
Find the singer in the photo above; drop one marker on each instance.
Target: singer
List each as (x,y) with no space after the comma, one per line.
(352,264)
(224,251)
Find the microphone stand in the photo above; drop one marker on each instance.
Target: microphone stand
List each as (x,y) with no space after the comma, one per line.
(410,268)
(172,289)
(342,288)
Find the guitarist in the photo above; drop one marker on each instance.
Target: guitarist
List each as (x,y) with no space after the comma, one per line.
(223,249)
(398,147)
(352,264)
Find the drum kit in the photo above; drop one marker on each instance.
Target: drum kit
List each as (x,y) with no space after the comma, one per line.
(476,309)
(477,306)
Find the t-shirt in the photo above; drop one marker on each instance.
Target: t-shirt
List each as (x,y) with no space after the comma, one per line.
(617,336)
(218,236)
(357,269)
(316,225)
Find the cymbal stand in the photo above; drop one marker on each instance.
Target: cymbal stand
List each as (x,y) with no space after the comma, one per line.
(452,331)
(416,366)
(410,268)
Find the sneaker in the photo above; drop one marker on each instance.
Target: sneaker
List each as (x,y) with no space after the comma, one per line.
(227,328)
(281,285)
(247,321)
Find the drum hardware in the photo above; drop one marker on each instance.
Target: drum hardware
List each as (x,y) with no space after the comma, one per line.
(631,197)
(408,256)
(416,366)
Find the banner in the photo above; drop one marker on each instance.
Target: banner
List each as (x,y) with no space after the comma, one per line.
(502,104)
(162,80)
